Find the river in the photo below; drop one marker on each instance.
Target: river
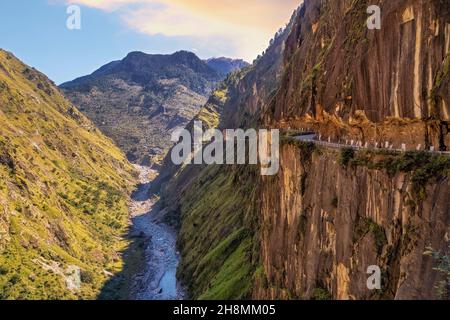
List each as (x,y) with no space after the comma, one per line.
(157,281)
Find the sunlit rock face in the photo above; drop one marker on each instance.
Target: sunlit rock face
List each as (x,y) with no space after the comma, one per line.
(323,223)
(357,83)
(320,223)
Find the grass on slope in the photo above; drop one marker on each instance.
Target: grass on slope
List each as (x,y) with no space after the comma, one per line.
(63,192)
(216,237)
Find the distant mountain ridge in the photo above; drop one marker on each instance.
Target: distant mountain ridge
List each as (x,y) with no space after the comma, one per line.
(142,68)
(224,66)
(139,100)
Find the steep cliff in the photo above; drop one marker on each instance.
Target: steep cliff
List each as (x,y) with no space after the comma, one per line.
(325,221)
(349,82)
(63,192)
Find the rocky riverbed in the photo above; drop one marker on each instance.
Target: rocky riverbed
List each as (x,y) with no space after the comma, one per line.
(157,281)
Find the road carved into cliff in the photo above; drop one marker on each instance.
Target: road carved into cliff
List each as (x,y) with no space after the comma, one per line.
(312,137)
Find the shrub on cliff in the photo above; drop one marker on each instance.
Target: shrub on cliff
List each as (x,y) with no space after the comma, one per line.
(347,154)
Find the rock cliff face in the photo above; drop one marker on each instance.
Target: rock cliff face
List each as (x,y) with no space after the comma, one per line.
(351,82)
(323,225)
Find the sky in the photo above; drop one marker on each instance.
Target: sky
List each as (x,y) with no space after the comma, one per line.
(36,30)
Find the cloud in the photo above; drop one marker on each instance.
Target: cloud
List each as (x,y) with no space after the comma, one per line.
(247,25)
(107,5)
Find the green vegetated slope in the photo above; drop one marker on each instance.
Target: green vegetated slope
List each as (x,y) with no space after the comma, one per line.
(216,236)
(63,192)
(212,215)
(212,211)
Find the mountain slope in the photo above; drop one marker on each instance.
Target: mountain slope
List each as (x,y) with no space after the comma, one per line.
(398,72)
(63,192)
(139,100)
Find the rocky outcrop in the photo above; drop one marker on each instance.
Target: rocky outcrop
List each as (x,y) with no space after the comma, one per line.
(323,224)
(330,214)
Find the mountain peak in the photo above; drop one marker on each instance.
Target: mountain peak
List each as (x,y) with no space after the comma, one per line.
(185,54)
(133,55)
(144,69)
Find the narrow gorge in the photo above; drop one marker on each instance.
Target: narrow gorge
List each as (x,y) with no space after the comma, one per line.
(92,205)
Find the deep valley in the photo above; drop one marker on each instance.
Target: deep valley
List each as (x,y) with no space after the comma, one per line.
(92,205)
